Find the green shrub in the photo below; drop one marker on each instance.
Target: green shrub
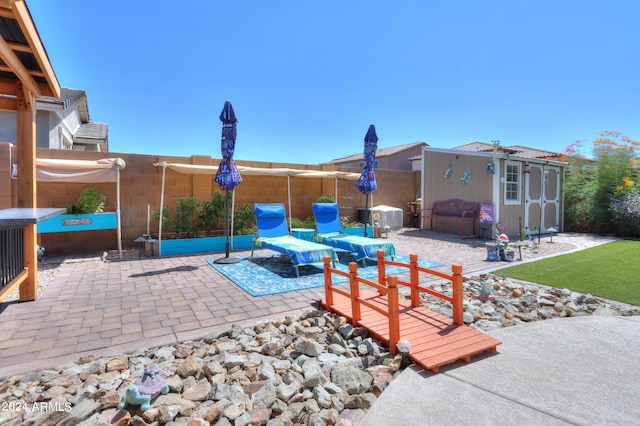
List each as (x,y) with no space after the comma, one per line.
(244,220)
(326,199)
(193,217)
(626,215)
(211,213)
(591,185)
(90,201)
(308,223)
(166,224)
(185,219)
(346,223)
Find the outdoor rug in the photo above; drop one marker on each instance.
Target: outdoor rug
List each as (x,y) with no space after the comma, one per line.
(271,273)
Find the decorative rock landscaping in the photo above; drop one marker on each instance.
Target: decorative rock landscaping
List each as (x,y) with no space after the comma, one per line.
(510,302)
(312,370)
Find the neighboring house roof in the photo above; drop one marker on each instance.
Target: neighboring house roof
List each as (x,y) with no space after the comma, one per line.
(87,132)
(92,131)
(72,95)
(521,151)
(380,152)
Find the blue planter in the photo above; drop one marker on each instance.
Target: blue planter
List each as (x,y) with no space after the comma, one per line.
(204,245)
(79,222)
(359,231)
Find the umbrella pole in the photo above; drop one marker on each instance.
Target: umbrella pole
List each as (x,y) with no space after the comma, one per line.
(366,213)
(226,223)
(227,258)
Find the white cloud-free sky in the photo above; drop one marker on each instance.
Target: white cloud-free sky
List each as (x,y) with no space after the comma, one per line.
(306,78)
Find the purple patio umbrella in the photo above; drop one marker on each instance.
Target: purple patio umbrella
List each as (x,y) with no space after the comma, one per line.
(367,181)
(227,176)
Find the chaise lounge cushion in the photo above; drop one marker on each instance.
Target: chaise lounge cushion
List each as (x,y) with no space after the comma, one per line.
(329,232)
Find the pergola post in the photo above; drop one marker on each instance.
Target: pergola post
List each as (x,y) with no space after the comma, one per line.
(27,188)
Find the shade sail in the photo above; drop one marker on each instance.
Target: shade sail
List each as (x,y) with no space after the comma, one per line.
(83,171)
(252,171)
(261,171)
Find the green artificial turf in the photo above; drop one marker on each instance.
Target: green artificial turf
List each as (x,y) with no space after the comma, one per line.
(611,271)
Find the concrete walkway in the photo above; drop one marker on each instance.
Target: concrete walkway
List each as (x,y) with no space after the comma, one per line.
(106,308)
(582,371)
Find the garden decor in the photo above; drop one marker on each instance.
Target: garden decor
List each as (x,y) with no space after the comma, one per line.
(486,290)
(145,388)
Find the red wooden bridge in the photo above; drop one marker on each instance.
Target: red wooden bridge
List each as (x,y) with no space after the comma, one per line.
(435,339)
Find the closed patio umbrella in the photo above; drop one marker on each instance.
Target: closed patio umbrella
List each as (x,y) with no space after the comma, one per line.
(367,181)
(227,177)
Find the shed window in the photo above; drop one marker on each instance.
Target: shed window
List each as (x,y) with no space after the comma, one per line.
(512,183)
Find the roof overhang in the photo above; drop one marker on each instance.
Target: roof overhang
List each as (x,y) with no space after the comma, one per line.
(23,59)
(489,155)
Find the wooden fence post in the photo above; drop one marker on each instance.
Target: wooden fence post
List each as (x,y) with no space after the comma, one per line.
(394,315)
(457,294)
(415,280)
(328,293)
(382,274)
(355,293)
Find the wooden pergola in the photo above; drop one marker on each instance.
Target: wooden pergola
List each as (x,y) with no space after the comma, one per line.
(25,75)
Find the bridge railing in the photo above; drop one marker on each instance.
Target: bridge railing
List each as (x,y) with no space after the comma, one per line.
(456,299)
(390,287)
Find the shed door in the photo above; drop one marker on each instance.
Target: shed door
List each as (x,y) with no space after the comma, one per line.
(542,188)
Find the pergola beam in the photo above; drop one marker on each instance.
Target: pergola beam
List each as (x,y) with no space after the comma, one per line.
(33,39)
(12,61)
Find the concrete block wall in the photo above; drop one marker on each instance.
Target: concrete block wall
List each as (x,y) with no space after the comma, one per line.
(141,183)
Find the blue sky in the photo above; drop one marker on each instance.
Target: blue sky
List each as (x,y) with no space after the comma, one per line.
(306,78)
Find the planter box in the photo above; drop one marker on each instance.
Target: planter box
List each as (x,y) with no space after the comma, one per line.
(79,222)
(359,231)
(204,245)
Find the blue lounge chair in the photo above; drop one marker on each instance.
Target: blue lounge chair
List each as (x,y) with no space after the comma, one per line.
(329,232)
(273,234)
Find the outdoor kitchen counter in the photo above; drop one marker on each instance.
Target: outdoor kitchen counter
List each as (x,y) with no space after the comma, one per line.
(19,217)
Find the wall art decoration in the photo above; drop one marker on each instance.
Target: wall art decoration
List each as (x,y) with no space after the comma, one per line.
(448,171)
(490,169)
(465,177)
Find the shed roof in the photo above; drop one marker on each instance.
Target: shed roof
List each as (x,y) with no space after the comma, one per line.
(521,151)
